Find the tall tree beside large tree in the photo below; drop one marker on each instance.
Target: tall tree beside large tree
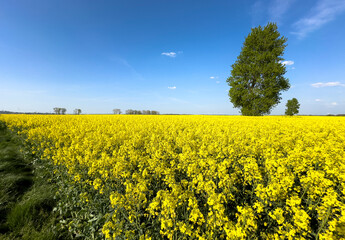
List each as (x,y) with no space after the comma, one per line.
(257,76)
(292,107)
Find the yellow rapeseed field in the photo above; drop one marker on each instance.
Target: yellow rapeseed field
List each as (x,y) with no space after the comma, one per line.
(197,177)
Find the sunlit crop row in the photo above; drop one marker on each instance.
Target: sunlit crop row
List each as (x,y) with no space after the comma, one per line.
(200,177)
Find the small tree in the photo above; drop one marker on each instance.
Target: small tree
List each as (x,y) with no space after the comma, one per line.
(77,111)
(257,76)
(292,107)
(117,111)
(131,111)
(56,110)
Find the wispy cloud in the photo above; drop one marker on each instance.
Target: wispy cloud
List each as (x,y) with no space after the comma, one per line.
(334,103)
(317,100)
(172,54)
(169,54)
(323,12)
(287,63)
(213,77)
(277,8)
(217,82)
(125,63)
(272,10)
(172,88)
(328,84)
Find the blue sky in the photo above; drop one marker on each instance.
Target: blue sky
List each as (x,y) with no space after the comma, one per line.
(169,56)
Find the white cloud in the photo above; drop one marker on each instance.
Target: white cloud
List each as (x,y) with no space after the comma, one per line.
(334,104)
(287,63)
(324,12)
(327,84)
(317,100)
(169,54)
(212,77)
(217,82)
(172,88)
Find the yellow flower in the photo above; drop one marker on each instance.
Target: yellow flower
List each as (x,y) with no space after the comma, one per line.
(198,177)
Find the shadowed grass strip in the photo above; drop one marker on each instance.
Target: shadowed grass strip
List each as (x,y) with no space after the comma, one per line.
(26,199)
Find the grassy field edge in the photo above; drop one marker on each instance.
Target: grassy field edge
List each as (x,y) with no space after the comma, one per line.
(27,194)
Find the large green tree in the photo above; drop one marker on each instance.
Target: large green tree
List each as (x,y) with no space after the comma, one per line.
(257,76)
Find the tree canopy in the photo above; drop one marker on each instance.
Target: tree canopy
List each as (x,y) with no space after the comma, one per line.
(117,111)
(257,76)
(292,107)
(58,110)
(77,111)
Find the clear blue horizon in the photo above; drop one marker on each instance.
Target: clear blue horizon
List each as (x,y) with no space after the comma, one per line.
(169,56)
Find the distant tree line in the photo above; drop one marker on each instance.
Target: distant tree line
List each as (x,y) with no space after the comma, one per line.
(40,113)
(36,113)
(138,112)
(150,112)
(117,111)
(143,112)
(77,111)
(337,115)
(60,111)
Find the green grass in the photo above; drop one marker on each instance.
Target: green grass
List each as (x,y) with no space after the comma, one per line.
(26,199)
